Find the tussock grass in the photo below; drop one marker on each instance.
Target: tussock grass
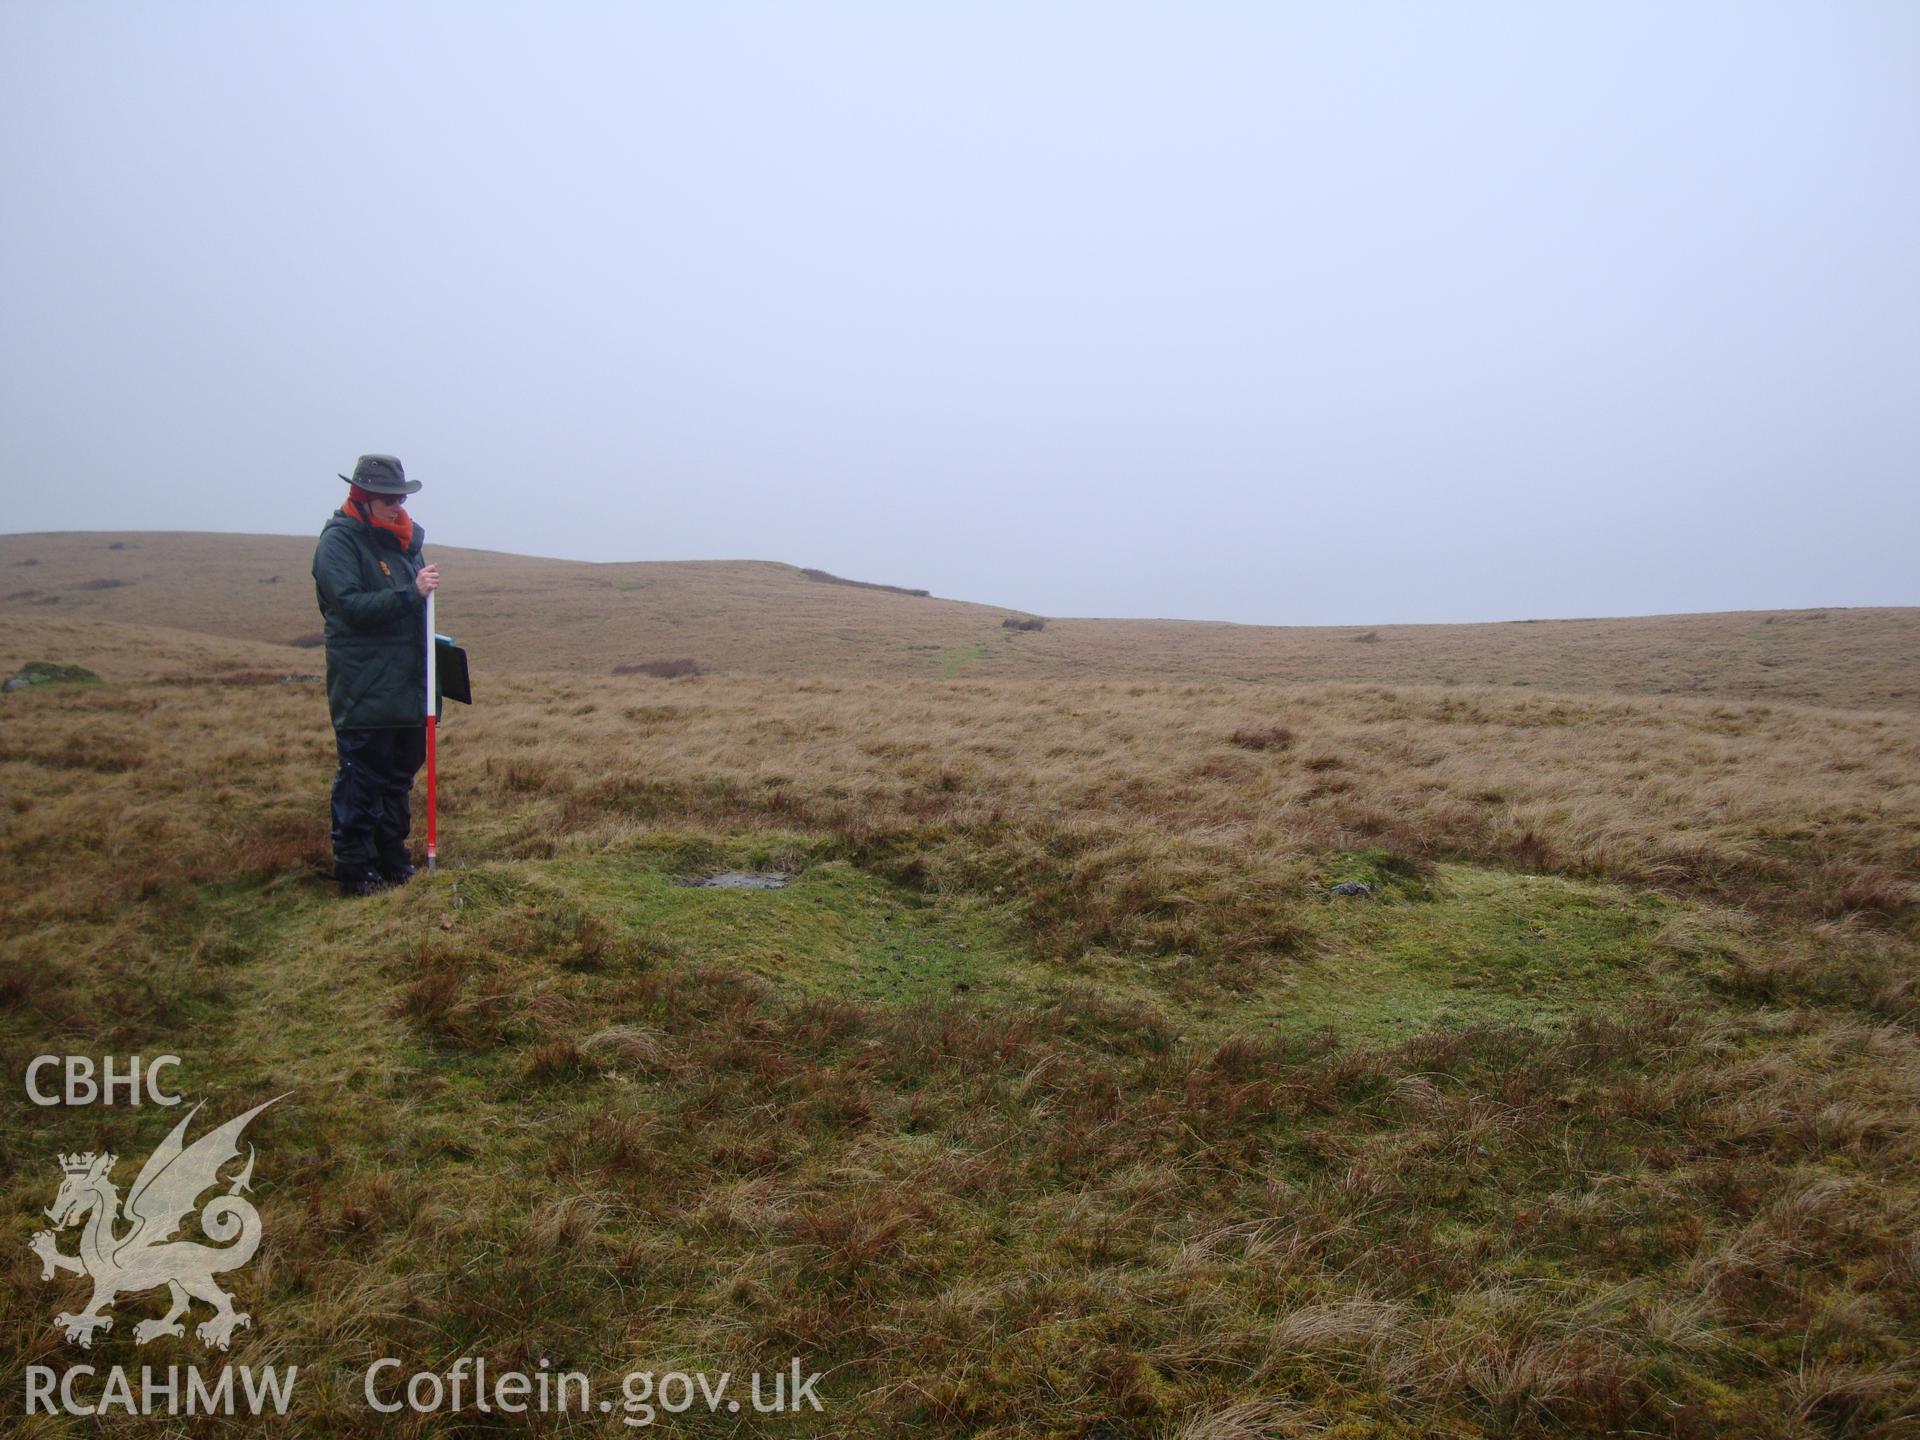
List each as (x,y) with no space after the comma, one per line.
(1056,1095)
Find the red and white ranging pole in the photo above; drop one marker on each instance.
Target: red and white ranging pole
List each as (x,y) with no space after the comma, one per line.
(433,768)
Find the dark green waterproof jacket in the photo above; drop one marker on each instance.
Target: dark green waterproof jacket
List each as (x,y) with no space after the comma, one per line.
(376,624)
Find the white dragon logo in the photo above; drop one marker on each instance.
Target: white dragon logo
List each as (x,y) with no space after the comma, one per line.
(146,1256)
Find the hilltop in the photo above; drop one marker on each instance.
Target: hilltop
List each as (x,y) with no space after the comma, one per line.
(522,614)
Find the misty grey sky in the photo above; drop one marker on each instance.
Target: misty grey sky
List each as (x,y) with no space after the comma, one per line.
(1290,313)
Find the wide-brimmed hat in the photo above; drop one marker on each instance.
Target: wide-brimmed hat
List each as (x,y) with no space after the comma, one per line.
(382,474)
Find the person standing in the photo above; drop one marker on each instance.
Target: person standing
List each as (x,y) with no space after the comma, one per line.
(372,587)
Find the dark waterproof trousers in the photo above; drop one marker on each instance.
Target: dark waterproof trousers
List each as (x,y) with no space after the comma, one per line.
(371,815)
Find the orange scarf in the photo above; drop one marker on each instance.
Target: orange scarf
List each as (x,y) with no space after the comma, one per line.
(360,502)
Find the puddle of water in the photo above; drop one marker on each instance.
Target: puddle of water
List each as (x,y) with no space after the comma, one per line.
(744,880)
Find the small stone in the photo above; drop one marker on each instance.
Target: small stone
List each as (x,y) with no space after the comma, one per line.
(43,672)
(744,880)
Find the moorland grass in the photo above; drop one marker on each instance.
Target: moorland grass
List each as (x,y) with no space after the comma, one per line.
(1058,1094)
(523,614)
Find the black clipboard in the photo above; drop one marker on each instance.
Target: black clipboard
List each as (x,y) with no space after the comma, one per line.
(450,667)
